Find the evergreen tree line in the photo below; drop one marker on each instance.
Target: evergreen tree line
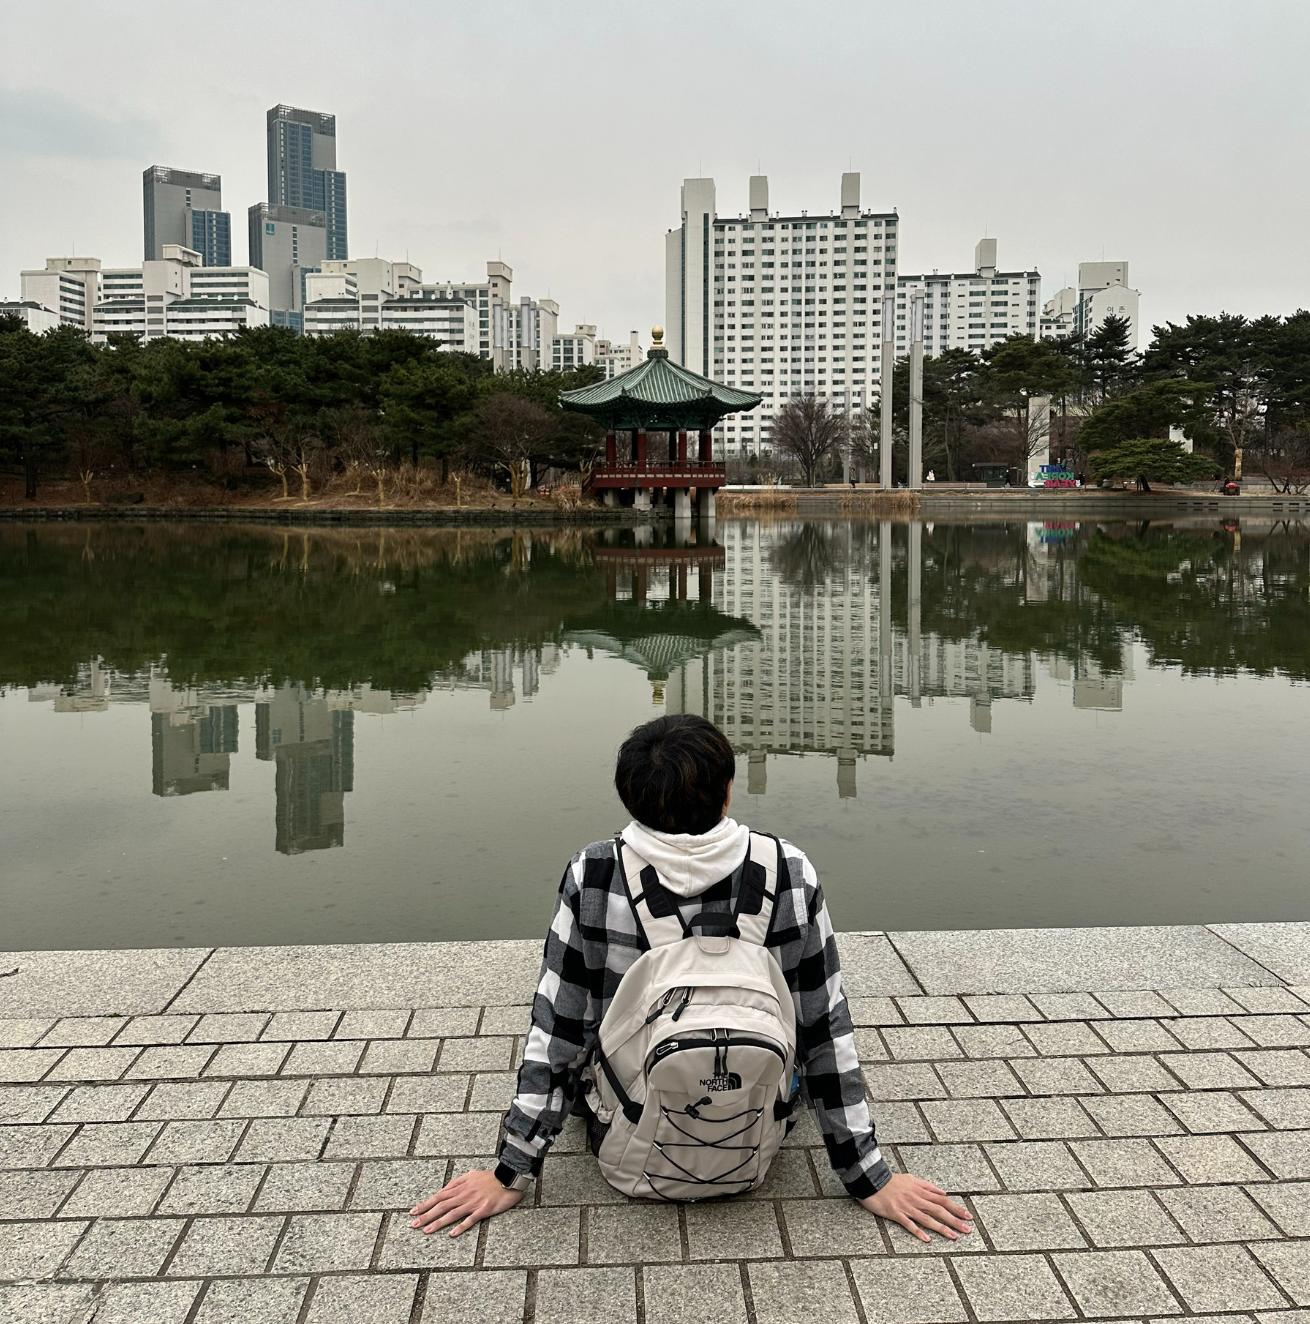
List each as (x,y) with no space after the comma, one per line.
(1229,383)
(267,399)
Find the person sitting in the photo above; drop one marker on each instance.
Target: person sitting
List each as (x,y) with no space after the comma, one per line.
(684,871)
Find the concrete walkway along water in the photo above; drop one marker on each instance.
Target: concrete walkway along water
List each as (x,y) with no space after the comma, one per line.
(238,1134)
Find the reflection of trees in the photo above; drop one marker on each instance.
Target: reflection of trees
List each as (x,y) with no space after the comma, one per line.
(322,607)
(807,555)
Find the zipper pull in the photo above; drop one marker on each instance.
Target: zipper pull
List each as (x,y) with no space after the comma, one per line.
(682,1006)
(659,1011)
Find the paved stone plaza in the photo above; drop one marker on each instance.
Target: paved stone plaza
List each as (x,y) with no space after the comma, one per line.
(236,1135)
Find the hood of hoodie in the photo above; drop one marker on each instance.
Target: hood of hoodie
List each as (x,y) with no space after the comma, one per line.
(689,864)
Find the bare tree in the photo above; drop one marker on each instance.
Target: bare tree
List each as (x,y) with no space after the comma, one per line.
(508,433)
(807,431)
(863,435)
(1283,456)
(355,432)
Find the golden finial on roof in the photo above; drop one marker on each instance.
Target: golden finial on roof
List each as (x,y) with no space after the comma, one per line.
(657,335)
(658,349)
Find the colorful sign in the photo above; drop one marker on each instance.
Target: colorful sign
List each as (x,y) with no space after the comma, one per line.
(1056,475)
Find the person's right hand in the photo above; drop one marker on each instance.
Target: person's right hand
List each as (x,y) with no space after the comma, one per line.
(466,1201)
(911,1201)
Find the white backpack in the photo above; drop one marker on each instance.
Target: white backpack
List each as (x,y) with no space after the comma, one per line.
(693,1071)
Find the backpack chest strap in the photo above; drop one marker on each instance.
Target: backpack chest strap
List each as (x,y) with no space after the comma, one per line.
(756,896)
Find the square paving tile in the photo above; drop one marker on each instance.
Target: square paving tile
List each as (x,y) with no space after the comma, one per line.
(967,1119)
(443,1022)
(874,1011)
(101,1143)
(145,1303)
(326,1243)
(1287,1203)
(359,1095)
(374,1024)
(637,1233)
(1218,1278)
(428,1094)
(478,1054)
(1274,1031)
(1284,1153)
(264,1098)
(124,1248)
(1212,1032)
(979,1079)
(226,1247)
(34,1195)
(1037,1166)
(528,1237)
(1064,1039)
(823,1228)
(248,1060)
(505,1020)
(22,1032)
(869,1046)
(93,1064)
(921,1043)
(784,1293)
(1208,1071)
(959,1169)
(229,1027)
(1001,1007)
(1277,1066)
(183,1101)
(406,1247)
(1137,1036)
(493,1091)
(1049,1119)
(283,1139)
(789,1178)
(1123,1163)
(225,1188)
(370,1137)
(335,1058)
(172,1062)
(490,1296)
(197,1142)
(896,1124)
(907,1292)
(1131,1115)
(301,1025)
(1056,1075)
(253,1301)
(1124,1218)
(1133,1074)
(1210,1159)
(378,1298)
(692,1294)
(575,1179)
(1015,1287)
(31,1103)
(36,1250)
(117,1193)
(1202,1111)
(983,1041)
(99,1103)
(733,1232)
(394,1057)
(305,1187)
(1200,1001)
(397,1183)
(1115,1283)
(586,1296)
(1135,1006)
(1289,1262)
(155,1030)
(458,1133)
(909,1080)
(31,1146)
(1027,1222)
(1217,1213)
(1284,1109)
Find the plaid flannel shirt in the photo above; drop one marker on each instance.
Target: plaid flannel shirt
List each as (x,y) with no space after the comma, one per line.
(594,938)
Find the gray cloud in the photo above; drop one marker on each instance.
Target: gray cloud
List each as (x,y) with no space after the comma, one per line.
(40,123)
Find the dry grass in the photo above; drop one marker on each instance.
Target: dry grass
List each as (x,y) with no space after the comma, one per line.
(770,501)
(880,502)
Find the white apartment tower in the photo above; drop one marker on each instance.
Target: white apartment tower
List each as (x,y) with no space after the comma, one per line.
(783,305)
(972,310)
(68,287)
(1103,291)
(615,357)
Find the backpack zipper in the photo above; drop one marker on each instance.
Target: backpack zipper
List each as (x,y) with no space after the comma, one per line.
(659,1011)
(682,1006)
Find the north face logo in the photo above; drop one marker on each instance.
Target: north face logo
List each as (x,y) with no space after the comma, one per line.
(729,1080)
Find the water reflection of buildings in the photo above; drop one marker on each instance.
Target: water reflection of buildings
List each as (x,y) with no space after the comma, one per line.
(493,669)
(822,675)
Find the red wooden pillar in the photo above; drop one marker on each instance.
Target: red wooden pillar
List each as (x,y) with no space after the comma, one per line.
(640,458)
(706,447)
(682,448)
(611,449)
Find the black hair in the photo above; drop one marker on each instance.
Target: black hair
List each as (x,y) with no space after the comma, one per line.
(673,773)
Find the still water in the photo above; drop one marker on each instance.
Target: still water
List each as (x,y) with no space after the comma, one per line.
(234,735)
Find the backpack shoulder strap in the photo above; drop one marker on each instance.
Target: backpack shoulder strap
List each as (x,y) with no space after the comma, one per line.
(760,882)
(641,881)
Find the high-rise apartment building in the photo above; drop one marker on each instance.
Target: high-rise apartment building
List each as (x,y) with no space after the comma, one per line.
(522,333)
(782,305)
(68,287)
(1103,291)
(571,350)
(485,296)
(286,242)
(972,310)
(615,356)
(373,294)
(302,170)
(185,207)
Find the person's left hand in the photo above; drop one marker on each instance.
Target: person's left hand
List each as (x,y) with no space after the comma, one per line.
(911,1201)
(466,1201)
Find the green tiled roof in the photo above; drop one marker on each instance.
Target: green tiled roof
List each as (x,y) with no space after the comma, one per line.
(659,395)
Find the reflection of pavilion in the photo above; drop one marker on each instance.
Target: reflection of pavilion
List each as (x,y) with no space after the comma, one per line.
(660,614)
(312,743)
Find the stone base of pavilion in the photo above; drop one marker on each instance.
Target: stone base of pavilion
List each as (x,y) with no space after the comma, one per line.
(237,1134)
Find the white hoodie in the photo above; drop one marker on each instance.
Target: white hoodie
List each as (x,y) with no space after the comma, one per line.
(689,863)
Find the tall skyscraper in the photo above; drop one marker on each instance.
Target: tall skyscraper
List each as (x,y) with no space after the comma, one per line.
(185,207)
(302,169)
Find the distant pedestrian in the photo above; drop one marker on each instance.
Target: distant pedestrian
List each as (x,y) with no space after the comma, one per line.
(932,475)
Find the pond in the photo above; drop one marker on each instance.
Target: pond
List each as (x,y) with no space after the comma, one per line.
(235,735)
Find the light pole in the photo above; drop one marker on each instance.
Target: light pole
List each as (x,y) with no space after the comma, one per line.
(888,367)
(915,479)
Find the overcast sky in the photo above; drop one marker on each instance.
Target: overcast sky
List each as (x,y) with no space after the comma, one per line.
(1171,133)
